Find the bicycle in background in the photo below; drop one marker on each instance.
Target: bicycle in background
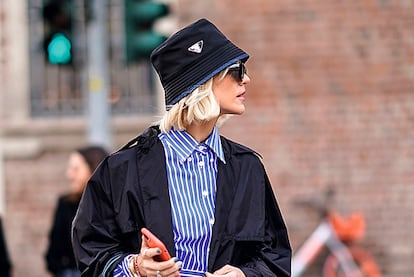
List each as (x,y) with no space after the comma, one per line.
(338,234)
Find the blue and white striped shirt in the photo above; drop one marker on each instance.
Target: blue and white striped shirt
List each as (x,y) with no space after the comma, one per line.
(191,174)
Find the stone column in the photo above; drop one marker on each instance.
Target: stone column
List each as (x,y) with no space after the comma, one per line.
(16,94)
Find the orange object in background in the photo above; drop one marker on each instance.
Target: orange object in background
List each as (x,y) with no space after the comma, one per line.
(348,228)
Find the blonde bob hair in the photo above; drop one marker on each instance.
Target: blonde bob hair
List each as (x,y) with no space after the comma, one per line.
(200,105)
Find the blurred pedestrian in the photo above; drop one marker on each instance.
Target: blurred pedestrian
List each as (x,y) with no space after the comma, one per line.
(5,264)
(206,197)
(59,257)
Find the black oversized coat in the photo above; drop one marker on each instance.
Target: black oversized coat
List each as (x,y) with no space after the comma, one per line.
(129,190)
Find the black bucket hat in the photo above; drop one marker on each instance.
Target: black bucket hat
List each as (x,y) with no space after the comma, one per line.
(192,56)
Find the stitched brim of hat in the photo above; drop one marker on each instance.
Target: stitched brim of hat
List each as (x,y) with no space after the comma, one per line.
(183,83)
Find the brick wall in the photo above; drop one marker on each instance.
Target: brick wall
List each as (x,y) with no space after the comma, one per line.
(330,103)
(32,189)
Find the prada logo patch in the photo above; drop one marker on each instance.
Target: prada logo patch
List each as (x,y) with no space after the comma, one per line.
(196,47)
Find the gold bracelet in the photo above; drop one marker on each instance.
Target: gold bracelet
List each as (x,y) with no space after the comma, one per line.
(131,266)
(136,265)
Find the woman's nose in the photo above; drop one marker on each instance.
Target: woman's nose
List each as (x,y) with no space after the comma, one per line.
(246,79)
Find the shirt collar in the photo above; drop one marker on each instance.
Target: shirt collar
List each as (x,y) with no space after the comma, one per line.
(184,144)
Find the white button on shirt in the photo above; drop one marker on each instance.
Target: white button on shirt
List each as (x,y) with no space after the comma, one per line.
(192,174)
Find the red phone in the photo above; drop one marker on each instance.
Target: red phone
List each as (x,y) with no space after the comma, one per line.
(154,242)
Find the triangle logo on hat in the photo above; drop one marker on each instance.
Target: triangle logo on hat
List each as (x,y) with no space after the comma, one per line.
(196,47)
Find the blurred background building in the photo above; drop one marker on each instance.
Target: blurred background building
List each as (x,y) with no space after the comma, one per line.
(331,103)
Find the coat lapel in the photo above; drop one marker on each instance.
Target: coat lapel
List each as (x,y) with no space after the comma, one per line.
(224,200)
(157,208)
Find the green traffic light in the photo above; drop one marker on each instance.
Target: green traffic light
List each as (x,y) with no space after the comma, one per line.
(142,44)
(148,11)
(59,49)
(140,36)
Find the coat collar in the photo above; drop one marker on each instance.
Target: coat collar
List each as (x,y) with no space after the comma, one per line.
(157,206)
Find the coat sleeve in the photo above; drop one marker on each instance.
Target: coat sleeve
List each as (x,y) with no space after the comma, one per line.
(96,236)
(273,256)
(54,251)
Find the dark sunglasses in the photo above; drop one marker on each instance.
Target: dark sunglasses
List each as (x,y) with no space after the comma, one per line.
(237,71)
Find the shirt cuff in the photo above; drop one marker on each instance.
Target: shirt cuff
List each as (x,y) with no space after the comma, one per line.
(121,270)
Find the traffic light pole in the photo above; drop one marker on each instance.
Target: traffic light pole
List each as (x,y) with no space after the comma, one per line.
(99,120)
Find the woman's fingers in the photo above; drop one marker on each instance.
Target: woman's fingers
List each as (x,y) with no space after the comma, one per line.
(166,268)
(172,270)
(150,252)
(227,270)
(150,267)
(224,270)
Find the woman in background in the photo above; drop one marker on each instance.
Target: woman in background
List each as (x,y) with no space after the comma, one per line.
(59,257)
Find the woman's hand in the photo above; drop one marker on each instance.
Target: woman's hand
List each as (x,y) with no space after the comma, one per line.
(228,271)
(148,266)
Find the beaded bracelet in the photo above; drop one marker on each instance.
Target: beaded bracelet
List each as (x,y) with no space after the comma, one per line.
(136,265)
(133,265)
